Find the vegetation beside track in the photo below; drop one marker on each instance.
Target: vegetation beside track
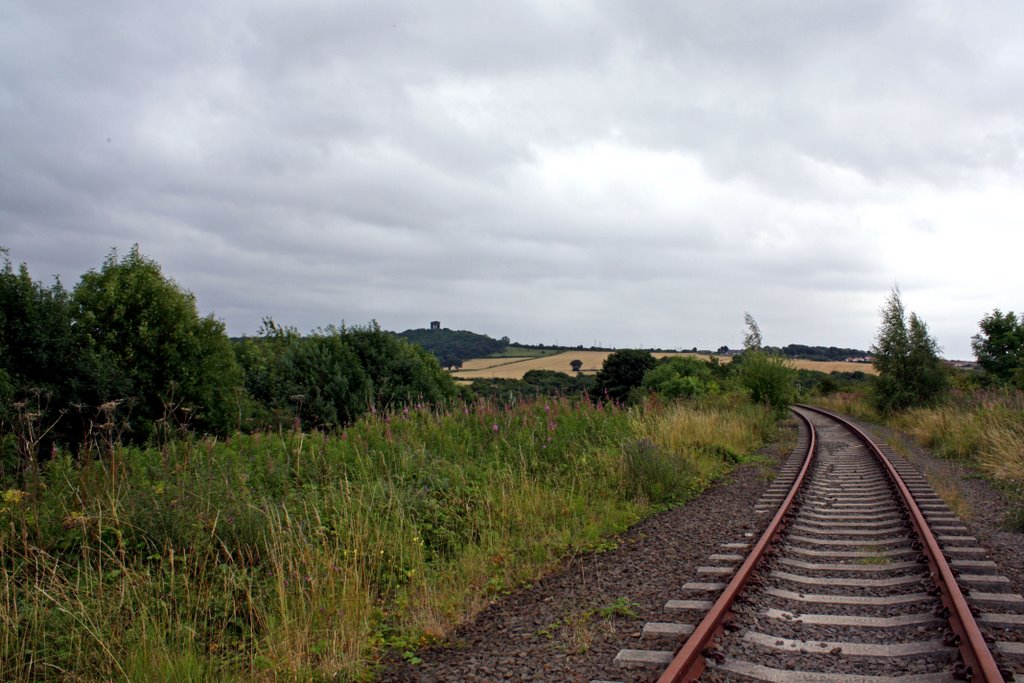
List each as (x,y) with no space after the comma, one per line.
(306,555)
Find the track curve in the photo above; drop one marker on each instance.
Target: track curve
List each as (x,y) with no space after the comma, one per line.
(860,578)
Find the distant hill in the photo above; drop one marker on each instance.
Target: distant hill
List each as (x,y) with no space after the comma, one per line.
(454,346)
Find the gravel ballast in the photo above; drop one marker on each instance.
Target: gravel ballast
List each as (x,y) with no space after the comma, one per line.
(986,506)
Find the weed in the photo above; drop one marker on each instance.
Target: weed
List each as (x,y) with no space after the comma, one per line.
(948,489)
(620,607)
(577,630)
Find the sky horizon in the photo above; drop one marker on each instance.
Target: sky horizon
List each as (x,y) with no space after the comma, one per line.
(558,172)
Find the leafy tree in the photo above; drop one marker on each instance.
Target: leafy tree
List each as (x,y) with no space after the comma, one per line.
(151,346)
(623,371)
(262,362)
(316,378)
(999,348)
(576,365)
(41,360)
(910,372)
(766,376)
(35,329)
(399,372)
(680,377)
(324,379)
(752,340)
(554,383)
(332,376)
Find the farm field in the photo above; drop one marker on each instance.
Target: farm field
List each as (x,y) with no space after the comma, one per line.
(515,368)
(834,366)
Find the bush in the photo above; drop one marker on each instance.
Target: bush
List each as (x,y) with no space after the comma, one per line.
(768,379)
(150,345)
(622,372)
(334,375)
(680,377)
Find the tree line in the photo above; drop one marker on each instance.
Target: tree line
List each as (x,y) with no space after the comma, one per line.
(125,354)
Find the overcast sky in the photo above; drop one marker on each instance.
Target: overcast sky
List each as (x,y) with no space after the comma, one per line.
(632,174)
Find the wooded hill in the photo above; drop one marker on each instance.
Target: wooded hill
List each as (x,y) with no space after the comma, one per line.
(454,346)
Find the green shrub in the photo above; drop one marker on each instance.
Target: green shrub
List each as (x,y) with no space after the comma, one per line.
(769,379)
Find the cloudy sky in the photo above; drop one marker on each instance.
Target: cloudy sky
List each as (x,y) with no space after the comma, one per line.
(558,171)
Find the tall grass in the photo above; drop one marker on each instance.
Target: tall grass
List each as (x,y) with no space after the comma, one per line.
(982,428)
(306,555)
(855,404)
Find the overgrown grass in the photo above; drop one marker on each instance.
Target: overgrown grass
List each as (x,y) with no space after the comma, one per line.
(982,429)
(855,404)
(304,555)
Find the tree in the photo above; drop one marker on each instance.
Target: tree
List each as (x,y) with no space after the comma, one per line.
(334,375)
(999,348)
(680,377)
(36,340)
(910,372)
(576,365)
(765,375)
(752,339)
(152,348)
(399,372)
(324,379)
(623,371)
(43,367)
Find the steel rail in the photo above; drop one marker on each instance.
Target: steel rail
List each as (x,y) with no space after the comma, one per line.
(973,648)
(688,664)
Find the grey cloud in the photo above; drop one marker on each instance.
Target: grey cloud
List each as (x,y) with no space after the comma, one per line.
(316,161)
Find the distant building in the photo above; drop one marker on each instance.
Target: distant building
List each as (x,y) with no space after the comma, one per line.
(435,324)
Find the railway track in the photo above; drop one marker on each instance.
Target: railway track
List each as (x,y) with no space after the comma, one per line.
(862,576)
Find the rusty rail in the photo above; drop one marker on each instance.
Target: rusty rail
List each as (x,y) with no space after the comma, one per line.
(975,652)
(688,664)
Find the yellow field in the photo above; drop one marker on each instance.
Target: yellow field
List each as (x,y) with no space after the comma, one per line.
(515,368)
(834,366)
